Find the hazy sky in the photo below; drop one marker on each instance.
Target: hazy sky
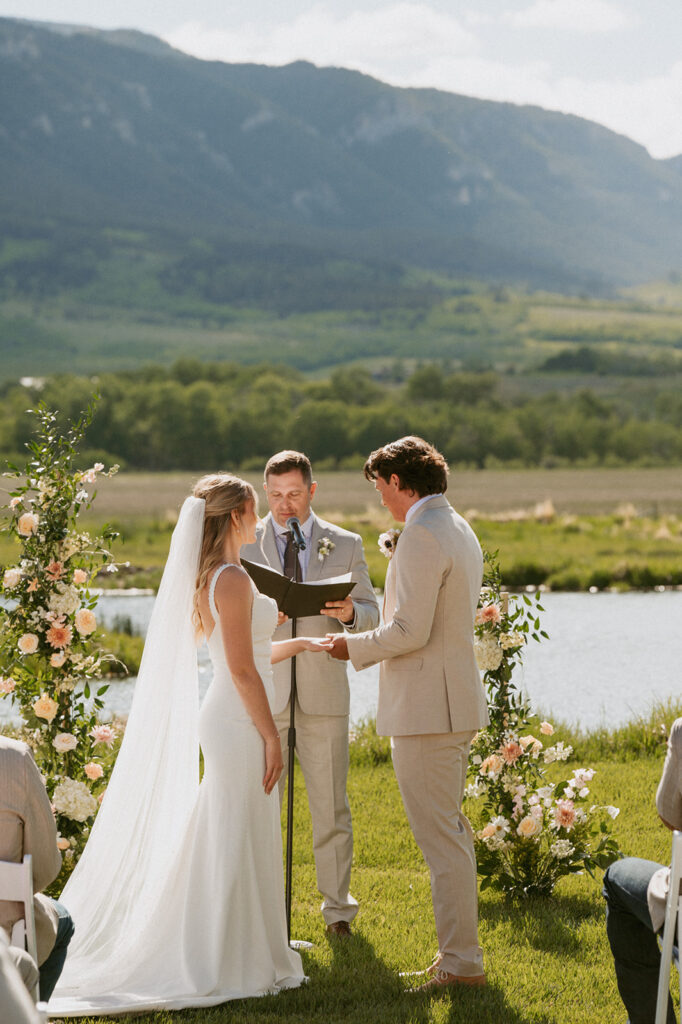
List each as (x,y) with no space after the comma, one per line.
(618,62)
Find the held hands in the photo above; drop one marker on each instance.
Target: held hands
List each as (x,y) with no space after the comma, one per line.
(315,644)
(339,646)
(274,763)
(344,610)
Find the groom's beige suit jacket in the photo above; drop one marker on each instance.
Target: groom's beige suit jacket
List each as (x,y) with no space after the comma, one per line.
(321,682)
(429,681)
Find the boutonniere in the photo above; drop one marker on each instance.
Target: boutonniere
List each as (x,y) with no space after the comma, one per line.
(324,546)
(388,542)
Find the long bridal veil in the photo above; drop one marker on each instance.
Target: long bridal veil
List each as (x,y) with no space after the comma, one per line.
(123,872)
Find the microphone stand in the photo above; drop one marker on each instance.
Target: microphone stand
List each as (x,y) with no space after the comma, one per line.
(291,741)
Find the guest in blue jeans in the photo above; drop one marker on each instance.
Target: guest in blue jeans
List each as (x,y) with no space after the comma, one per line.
(635,891)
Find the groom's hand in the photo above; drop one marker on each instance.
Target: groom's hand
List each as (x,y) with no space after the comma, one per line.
(344,610)
(339,648)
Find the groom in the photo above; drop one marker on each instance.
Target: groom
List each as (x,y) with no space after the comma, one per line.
(431,700)
(323,697)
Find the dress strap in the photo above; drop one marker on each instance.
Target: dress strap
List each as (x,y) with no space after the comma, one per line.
(211,590)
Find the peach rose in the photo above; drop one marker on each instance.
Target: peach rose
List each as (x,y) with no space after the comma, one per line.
(28,643)
(7,685)
(28,524)
(57,660)
(59,636)
(488,831)
(86,622)
(529,827)
(80,576)
(530,741)
(546,728)
(63,844)
(54,571)
(489,613)
(511,752)
(492,765)
(45,707)
(564,813)
(93,770)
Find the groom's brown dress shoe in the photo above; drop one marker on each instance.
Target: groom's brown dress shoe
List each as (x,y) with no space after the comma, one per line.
(339,930)
(441,981)
(427,972)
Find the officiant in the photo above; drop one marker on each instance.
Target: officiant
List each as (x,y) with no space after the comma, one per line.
(323,696)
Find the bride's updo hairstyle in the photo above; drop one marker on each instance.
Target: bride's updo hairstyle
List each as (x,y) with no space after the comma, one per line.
(223,495)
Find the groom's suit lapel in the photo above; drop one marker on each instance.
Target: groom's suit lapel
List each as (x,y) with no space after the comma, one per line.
(315,566)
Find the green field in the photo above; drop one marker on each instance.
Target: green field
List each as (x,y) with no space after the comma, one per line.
(547,960)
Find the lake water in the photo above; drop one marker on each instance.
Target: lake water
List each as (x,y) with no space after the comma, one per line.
(608,659)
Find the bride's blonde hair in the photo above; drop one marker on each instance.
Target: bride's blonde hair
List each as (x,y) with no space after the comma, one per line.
(223,495)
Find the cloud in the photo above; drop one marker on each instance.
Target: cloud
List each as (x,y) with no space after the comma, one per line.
(411,44)
(402,35)
(585,16)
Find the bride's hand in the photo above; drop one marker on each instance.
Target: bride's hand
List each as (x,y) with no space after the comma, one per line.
(315,644)
(274,763)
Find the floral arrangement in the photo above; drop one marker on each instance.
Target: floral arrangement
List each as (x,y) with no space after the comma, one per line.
(49,656)
(534,831)
(325,546)
(388,542)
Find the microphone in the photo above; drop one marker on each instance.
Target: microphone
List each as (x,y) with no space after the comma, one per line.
(295,527)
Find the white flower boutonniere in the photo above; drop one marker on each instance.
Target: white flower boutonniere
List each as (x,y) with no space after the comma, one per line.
(324,546)
(388,542)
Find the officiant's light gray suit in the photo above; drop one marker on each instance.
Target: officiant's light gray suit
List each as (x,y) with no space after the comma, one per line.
(323,706)
(431,702)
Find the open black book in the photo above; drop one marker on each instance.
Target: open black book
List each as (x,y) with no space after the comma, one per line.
(297,600)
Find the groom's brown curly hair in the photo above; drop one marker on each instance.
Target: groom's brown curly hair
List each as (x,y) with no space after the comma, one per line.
(418,465)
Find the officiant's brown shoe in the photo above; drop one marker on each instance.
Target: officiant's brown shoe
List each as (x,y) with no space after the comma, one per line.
(339,930)
(441,981)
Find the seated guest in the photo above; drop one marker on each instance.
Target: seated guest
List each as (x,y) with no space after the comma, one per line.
(636,892)
(27,826)
(17,974)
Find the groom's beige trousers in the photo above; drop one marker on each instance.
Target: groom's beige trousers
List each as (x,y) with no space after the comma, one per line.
(431,774)
(322,751)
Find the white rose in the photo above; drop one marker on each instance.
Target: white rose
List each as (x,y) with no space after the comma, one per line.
(64,741)
(11,577)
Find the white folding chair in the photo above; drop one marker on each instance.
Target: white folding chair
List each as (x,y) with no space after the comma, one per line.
(673,912)
(16,885)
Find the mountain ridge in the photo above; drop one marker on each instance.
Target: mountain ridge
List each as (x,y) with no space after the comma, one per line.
(120,127)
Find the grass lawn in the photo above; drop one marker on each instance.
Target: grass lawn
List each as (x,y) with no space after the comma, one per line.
(547,961)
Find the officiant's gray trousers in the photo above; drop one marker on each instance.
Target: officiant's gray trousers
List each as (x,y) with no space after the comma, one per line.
(322,751)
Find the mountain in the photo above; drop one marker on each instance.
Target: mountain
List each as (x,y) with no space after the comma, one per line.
(119,129)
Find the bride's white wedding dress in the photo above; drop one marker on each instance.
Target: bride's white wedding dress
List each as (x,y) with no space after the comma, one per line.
(217,930)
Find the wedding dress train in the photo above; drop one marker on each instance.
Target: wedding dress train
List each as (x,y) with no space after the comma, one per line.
(217,929)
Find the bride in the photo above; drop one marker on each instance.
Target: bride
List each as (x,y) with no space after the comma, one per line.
(178,898)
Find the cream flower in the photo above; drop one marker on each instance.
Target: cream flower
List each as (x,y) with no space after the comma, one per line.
(488,653)
(530,742)
(561,849)
(64,741)
(546,728)
(11,577)
(45,707)
(73,799)
(58,659)
(7,685)
(28,643)
(86,621)
(529,826)
(492,765)
(28,524)
(93,770)
(63,844)
(14,502)
(80,576)
(65,599)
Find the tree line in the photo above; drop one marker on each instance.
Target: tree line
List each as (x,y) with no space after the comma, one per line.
(197,415)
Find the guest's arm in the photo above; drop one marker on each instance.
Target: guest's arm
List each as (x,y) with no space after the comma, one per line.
(669,794)
(40,831)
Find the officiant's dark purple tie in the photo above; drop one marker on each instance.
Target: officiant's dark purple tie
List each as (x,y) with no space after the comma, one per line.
(292,566)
